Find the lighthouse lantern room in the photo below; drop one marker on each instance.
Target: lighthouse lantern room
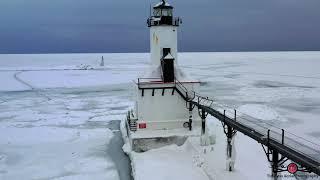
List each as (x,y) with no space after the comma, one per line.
(162,109)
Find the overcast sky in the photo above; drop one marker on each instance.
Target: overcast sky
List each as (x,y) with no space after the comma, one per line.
(66,26)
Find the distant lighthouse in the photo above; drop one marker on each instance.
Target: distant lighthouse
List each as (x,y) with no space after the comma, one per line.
(163,39)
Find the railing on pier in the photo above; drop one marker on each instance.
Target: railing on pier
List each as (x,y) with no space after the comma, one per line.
(296,148)
(146,81)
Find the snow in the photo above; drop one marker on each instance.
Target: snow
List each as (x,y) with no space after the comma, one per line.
(72,79)
(191,160)
(53,71)
(54,153)
(152,164)
(10,84)
(57,121)
(50,132)
(168,56)
(259,111)
(160,3)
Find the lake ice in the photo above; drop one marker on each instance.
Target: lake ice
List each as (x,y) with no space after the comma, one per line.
(61,123)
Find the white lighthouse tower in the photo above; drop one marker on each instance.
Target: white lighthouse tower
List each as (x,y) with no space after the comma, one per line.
(162,94)
(163,33)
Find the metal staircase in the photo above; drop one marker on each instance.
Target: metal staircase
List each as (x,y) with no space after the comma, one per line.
(132,121)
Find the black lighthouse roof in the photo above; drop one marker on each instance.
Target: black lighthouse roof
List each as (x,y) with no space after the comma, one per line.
(163,15)
(162,5)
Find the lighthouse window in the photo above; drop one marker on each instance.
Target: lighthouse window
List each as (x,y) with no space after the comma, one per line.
(162,12)
(157,12)
(166,12)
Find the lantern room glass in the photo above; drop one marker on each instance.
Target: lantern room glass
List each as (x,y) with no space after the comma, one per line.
(166,12)
(162,12)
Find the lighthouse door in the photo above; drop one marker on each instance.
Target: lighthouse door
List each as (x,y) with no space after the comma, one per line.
(165,52)
(167,66)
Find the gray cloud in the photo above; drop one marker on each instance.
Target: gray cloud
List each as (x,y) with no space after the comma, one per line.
(46,26)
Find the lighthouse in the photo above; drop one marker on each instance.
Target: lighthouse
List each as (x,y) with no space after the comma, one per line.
(163,35)
(163,93)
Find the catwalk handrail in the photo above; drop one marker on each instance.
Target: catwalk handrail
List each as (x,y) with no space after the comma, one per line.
(299,152)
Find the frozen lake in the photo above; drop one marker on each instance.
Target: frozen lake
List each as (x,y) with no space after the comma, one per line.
(60,123)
